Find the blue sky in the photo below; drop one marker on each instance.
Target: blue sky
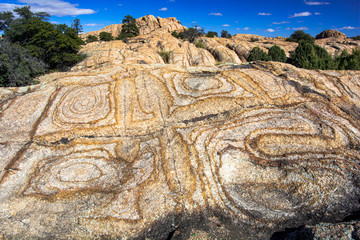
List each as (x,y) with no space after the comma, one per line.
(261,17)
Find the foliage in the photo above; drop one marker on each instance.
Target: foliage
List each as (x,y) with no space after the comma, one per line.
(57,45)
(277,54)
(225,34)
(200,44)
(310,56)
(91,38)
(129,28)
(356,38)
(77,26)
(17,66)
(257,54)
(349,62)
(212,34)
(300,35)
(105,36)
(190,34)
(165,55)
(254,39)
(175,34)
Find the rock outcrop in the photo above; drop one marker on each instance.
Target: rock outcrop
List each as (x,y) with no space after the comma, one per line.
(146,25)
(330,34)
(205,147)
(150,151)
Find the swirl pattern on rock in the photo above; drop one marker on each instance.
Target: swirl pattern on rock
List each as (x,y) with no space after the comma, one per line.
(137,150)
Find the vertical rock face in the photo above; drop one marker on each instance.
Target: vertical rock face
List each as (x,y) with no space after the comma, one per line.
(150,151)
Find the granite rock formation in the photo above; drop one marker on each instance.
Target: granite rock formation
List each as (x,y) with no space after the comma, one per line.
(153,151)
(127,147)
(330,34)
(146,24)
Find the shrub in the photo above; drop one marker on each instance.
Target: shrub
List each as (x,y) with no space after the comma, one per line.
(298,36)
(129,28)
(200,44)
(165,55)
(17,66)
(225,34)
(190,34)
(212,34)
(277,54)
(311,56)
(356,38)
(254,39)
(175,34)
(257,54)
(105,36)
(349,62)
(91,38)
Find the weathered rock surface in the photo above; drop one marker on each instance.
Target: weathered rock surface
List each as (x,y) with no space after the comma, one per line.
(146,25)
(156,151)
(156,40)
(330,34)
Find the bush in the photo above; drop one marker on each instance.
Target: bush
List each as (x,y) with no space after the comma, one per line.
(356,38)
(165,55)
(190,34)
(212,34)
(349,62)
(254,39)
(257,54)
(311,56)
(17,66)
(91,38)
(225,34)
(200,44)
(277,54)
(298,36)
(175,34)
(105,36)
(129,28)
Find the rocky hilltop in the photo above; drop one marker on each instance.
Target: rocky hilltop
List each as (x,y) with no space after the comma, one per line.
(205,147)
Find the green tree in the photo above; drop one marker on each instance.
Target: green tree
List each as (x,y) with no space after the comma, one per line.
(91,38)
(129,28)
(77,26)
(17,66)
(6,19)
(257,54)
(348,61)
(300,35)
(57,45)
(277,54)
(212,34)
(105,36)
(225,34)
(311,56)
(191,34)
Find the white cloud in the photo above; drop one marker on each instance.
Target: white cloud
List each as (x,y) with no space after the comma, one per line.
(53,7)
(283,22)
(163,9)
(93,24)
(236,21)
(270,30)
(316,3)
(302,14)
(215,14)
(317,13)
(264,14)
(225,25)
(349,28)
(246,28)
(193,22)
(120,4)
(298,28)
